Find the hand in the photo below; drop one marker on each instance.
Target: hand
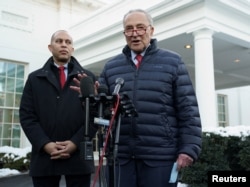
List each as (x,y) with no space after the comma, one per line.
(77,82)
(50,147)
(96,85)
(60,150)
(184,160)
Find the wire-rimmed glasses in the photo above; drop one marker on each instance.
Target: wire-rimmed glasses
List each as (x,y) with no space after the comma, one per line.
(141,30)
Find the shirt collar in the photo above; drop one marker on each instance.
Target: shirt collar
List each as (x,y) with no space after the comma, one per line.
(133,54)
(65,65)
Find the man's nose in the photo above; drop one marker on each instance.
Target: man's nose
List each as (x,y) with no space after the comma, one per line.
(64,43)
(134,32)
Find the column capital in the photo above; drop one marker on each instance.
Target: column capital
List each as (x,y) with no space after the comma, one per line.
(204,31)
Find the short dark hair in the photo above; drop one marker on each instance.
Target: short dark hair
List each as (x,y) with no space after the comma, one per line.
(53,35)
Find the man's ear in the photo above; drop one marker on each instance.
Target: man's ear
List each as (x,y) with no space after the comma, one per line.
(49,47)
(152,30)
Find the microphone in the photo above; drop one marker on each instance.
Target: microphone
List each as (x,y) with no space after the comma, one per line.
(87,87)
(119,83)
(87,91)
(102,93)
(102,89)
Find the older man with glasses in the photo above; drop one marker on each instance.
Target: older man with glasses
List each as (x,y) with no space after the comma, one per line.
(166,135)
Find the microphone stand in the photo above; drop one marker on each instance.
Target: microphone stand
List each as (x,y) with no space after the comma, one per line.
(125,108)
(115,152)
(86,147)
(100,139)
(101,172)
(102,100)
(112,154)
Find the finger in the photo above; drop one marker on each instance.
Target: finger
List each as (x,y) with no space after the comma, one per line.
(80,76)
(65,155)
(60,146)
(64,143)
(54,156)
(178,167)
(75,88)
(97,84)
(76,81)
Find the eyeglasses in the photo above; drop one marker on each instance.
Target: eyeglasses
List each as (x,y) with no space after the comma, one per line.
(139,31)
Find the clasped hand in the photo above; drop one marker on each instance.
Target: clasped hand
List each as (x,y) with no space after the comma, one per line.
(60,150)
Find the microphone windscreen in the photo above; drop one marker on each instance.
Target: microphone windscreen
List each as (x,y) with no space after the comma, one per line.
(102,89)
(119,81)
(87,87)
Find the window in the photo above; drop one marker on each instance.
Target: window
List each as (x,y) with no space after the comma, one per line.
(11,87)
(222,110)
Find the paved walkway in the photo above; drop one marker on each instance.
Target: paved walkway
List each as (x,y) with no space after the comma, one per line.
(24,180)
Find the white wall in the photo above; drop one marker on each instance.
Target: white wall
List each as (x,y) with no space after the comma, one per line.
(27,25)
(238,105)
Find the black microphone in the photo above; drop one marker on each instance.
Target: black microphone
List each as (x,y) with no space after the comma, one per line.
(119,83)
(87,91)
(102,98)
(87,87)
(102,93)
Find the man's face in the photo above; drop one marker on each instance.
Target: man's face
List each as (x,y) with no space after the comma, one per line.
(61,47)
(137,25)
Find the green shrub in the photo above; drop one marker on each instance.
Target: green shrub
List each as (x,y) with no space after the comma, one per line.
(232,152)
(244,153)
(13,161)
(218,153)
(211,158)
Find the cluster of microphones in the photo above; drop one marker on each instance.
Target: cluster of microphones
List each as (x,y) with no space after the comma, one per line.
(98,108)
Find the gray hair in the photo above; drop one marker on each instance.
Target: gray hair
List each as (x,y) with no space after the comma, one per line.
(149,18)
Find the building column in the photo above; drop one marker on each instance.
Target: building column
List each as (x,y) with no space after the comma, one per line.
(204,77)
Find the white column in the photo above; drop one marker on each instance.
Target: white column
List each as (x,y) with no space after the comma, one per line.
(204,77)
